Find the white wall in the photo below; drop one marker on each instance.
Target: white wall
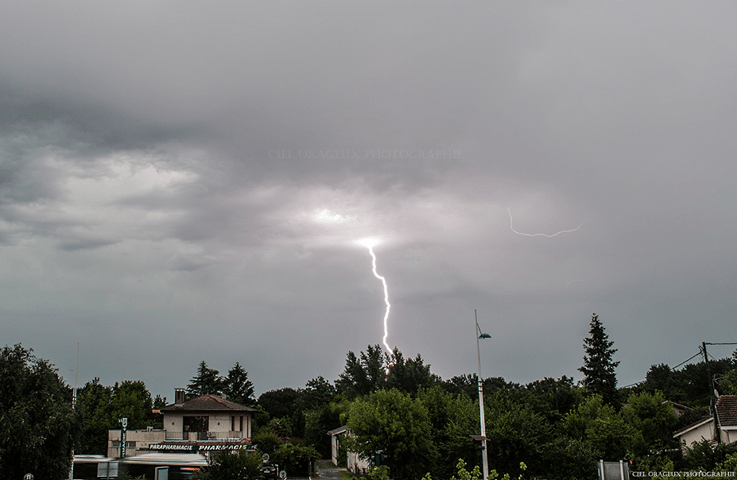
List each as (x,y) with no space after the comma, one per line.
(143,439)
(705,431)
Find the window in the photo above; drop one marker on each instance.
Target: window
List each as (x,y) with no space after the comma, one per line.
(196,424)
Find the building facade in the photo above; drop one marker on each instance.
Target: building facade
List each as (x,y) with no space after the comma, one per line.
(355,463)
(720,427)
(205,424)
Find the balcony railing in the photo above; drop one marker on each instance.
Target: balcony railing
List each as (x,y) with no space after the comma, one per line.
(214,436)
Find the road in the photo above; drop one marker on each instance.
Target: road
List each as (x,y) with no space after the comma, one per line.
(326,470)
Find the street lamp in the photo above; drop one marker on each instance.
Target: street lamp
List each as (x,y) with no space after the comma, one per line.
(482,438)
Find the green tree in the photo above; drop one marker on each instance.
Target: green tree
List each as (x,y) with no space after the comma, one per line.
(653,417)
(597,422)
(132,400)
(280,426)
(321,420)
(228,465)
(728,383)
(280,403)
(661,378)
(516,434)
(159,401)
(553,398)
(598,363)
(37,423)
(238,387)
(207,381)
(266,441)
(464,384)
(317,393)
(706,457)
(691,384)
(295,459)
(397,425)
(94,409)
(570,459)
(730,463)
(409,375)
(363,374)
(452,419)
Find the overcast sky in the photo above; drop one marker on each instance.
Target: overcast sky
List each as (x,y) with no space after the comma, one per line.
(183,182)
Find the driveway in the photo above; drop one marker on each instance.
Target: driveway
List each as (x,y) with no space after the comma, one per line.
(326,470)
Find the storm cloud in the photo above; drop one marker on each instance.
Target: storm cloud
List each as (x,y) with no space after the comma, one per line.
(183,182)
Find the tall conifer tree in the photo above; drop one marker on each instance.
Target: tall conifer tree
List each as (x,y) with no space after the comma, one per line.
(238,387)
(598,363)
(207,381)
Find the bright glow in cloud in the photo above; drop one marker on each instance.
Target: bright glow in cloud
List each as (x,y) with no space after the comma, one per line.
(327,216)
(368,242)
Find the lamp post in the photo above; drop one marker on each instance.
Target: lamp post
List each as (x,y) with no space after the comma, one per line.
(484,458)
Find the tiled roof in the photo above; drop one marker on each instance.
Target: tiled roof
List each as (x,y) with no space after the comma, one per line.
(727,410)
(207,403)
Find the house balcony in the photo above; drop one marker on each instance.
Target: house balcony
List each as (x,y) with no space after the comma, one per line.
(204,436)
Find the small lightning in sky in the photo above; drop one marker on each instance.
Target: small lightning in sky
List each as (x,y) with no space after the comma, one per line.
(370,243)
(578,280)
(511,225)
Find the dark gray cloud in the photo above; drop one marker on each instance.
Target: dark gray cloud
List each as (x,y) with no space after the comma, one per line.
(180,182)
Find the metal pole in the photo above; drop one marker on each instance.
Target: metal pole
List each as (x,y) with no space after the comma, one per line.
(74,407)
(484,458)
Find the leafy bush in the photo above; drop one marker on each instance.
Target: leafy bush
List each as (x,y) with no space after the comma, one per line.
(295,459)
(229,465)
(266,441)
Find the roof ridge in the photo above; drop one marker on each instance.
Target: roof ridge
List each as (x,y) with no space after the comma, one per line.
(208,401)
(223,401)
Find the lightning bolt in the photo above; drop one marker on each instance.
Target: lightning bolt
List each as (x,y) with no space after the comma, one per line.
(386,298)
(578,280)
(511,225)
(369,243)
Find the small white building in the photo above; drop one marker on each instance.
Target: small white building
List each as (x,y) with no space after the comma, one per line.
(355,462)
(204,424)
(720,427)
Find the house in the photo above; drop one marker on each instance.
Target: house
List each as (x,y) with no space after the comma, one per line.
(696,432)
(679,409)
(719,427)
(355,462)
(727,418)
(204,424)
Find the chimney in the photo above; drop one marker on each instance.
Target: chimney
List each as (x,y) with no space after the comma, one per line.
(178,396)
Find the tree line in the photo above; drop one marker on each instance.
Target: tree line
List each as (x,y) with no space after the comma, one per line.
(400,414)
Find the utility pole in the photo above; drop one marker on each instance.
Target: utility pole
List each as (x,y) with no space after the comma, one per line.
(484,457)
(712,402)
(708,370)
(74,406)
